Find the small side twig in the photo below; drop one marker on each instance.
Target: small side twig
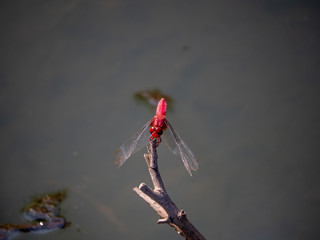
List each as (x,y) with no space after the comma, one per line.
(160,201)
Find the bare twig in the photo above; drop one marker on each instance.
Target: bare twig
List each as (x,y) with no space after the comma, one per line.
(160,201)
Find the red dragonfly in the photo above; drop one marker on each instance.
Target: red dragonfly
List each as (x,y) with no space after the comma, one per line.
(154,129)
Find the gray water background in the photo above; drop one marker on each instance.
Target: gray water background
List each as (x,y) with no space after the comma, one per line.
(245,77)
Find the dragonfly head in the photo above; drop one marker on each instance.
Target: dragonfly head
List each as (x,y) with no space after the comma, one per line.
(156,132)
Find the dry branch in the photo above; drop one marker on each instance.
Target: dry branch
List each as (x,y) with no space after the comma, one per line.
(160,201)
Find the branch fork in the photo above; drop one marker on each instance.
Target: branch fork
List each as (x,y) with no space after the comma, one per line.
(161,202)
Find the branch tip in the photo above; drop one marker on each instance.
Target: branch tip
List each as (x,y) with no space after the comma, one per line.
(164,220)
(142,185)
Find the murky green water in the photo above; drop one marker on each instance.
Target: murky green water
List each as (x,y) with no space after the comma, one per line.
(245,80)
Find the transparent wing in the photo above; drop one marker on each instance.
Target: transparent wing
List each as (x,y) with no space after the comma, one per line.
(170,141)
(133,145)
(177,145)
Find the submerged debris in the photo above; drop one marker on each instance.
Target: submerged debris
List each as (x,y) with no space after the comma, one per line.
(43,213)
(152,97)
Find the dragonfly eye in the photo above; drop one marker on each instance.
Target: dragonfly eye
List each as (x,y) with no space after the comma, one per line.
(159,130)
(152,130)
(155,135)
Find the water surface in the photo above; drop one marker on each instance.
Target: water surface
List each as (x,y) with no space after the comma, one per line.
(245,80)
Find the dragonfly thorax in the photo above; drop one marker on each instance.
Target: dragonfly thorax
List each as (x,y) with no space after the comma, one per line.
(157,126)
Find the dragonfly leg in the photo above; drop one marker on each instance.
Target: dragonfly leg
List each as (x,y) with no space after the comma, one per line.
(158,141)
